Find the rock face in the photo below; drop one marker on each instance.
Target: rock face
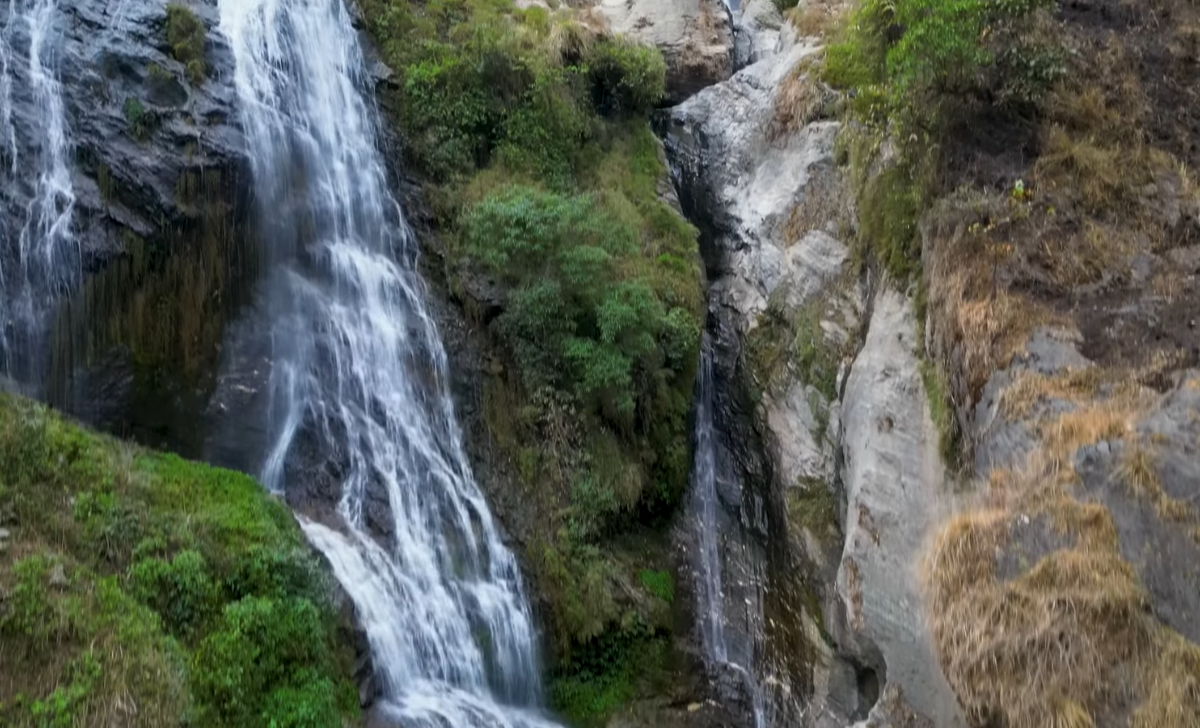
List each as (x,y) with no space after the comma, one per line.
(159,185)
(126,178)
(827,438)
(896,491)
(695,36)
(741,186)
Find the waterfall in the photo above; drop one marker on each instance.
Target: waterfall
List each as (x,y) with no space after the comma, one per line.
(703,506)
(358,366)
(39,254)
(704,499)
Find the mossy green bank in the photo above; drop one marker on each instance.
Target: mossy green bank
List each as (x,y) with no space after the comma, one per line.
(139,589)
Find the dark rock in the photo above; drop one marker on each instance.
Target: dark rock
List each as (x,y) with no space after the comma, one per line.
(123,182)
(1162,550)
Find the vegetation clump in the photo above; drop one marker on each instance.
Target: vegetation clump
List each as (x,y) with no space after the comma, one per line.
(153,591)
(918,63)
(531,127)
(141,121)
(186,35)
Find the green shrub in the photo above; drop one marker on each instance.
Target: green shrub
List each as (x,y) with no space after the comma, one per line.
(596,681)
(140,121)
(449,118)
(659,583)
(61,709)
(919,61)
(628,78)
(180,590)
(543,131)
(577,579)
(575,321)
(173,576)
(247,670)
(186,34)
(27,603)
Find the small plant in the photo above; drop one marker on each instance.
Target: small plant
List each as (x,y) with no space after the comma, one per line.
(1019,192)
(140,120)
(159,75)
(186,34)
(179,590)
(659,583)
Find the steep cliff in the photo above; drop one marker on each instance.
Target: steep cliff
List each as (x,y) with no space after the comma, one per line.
(155,204)
(971,415)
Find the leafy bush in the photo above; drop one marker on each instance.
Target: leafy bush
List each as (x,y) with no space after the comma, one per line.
(186,34)
(140,121)
(659,583)
(575,321)
(596,681)
(180,590)
(628,78)
(253,667)
(171,577)
(919,59)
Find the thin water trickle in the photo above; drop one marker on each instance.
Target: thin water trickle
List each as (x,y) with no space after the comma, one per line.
(358,366)
(704,505)
(40,260)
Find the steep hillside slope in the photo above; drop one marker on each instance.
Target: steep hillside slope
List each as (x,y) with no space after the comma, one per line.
(139,589)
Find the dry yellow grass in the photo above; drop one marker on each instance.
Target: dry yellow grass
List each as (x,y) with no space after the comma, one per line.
(971,316)
(1168,284)
(1138,472)
(1058,643)
(798,101)
(1067,638)
(1041,649)
(1031,388)
(813,20)
(1172,683)
(1111,419)
(854,587)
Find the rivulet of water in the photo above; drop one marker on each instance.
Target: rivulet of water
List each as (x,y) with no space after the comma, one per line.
(39,253)
(358,366)
(703,505)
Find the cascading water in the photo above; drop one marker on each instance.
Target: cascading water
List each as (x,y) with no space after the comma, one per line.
(39,254)
(704,497)
(358,366)
(704,506)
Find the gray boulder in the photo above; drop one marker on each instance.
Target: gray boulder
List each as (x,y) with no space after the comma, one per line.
(695,36)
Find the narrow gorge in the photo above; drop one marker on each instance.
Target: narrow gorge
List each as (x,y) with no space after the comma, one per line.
(667,363)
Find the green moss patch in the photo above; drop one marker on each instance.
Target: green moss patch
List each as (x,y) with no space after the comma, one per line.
(165,592)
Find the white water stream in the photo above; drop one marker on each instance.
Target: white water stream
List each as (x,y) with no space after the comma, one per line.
(39,255)
(359,366)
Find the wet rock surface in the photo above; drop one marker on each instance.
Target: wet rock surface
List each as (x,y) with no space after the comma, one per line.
(161,189)
(109,54)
